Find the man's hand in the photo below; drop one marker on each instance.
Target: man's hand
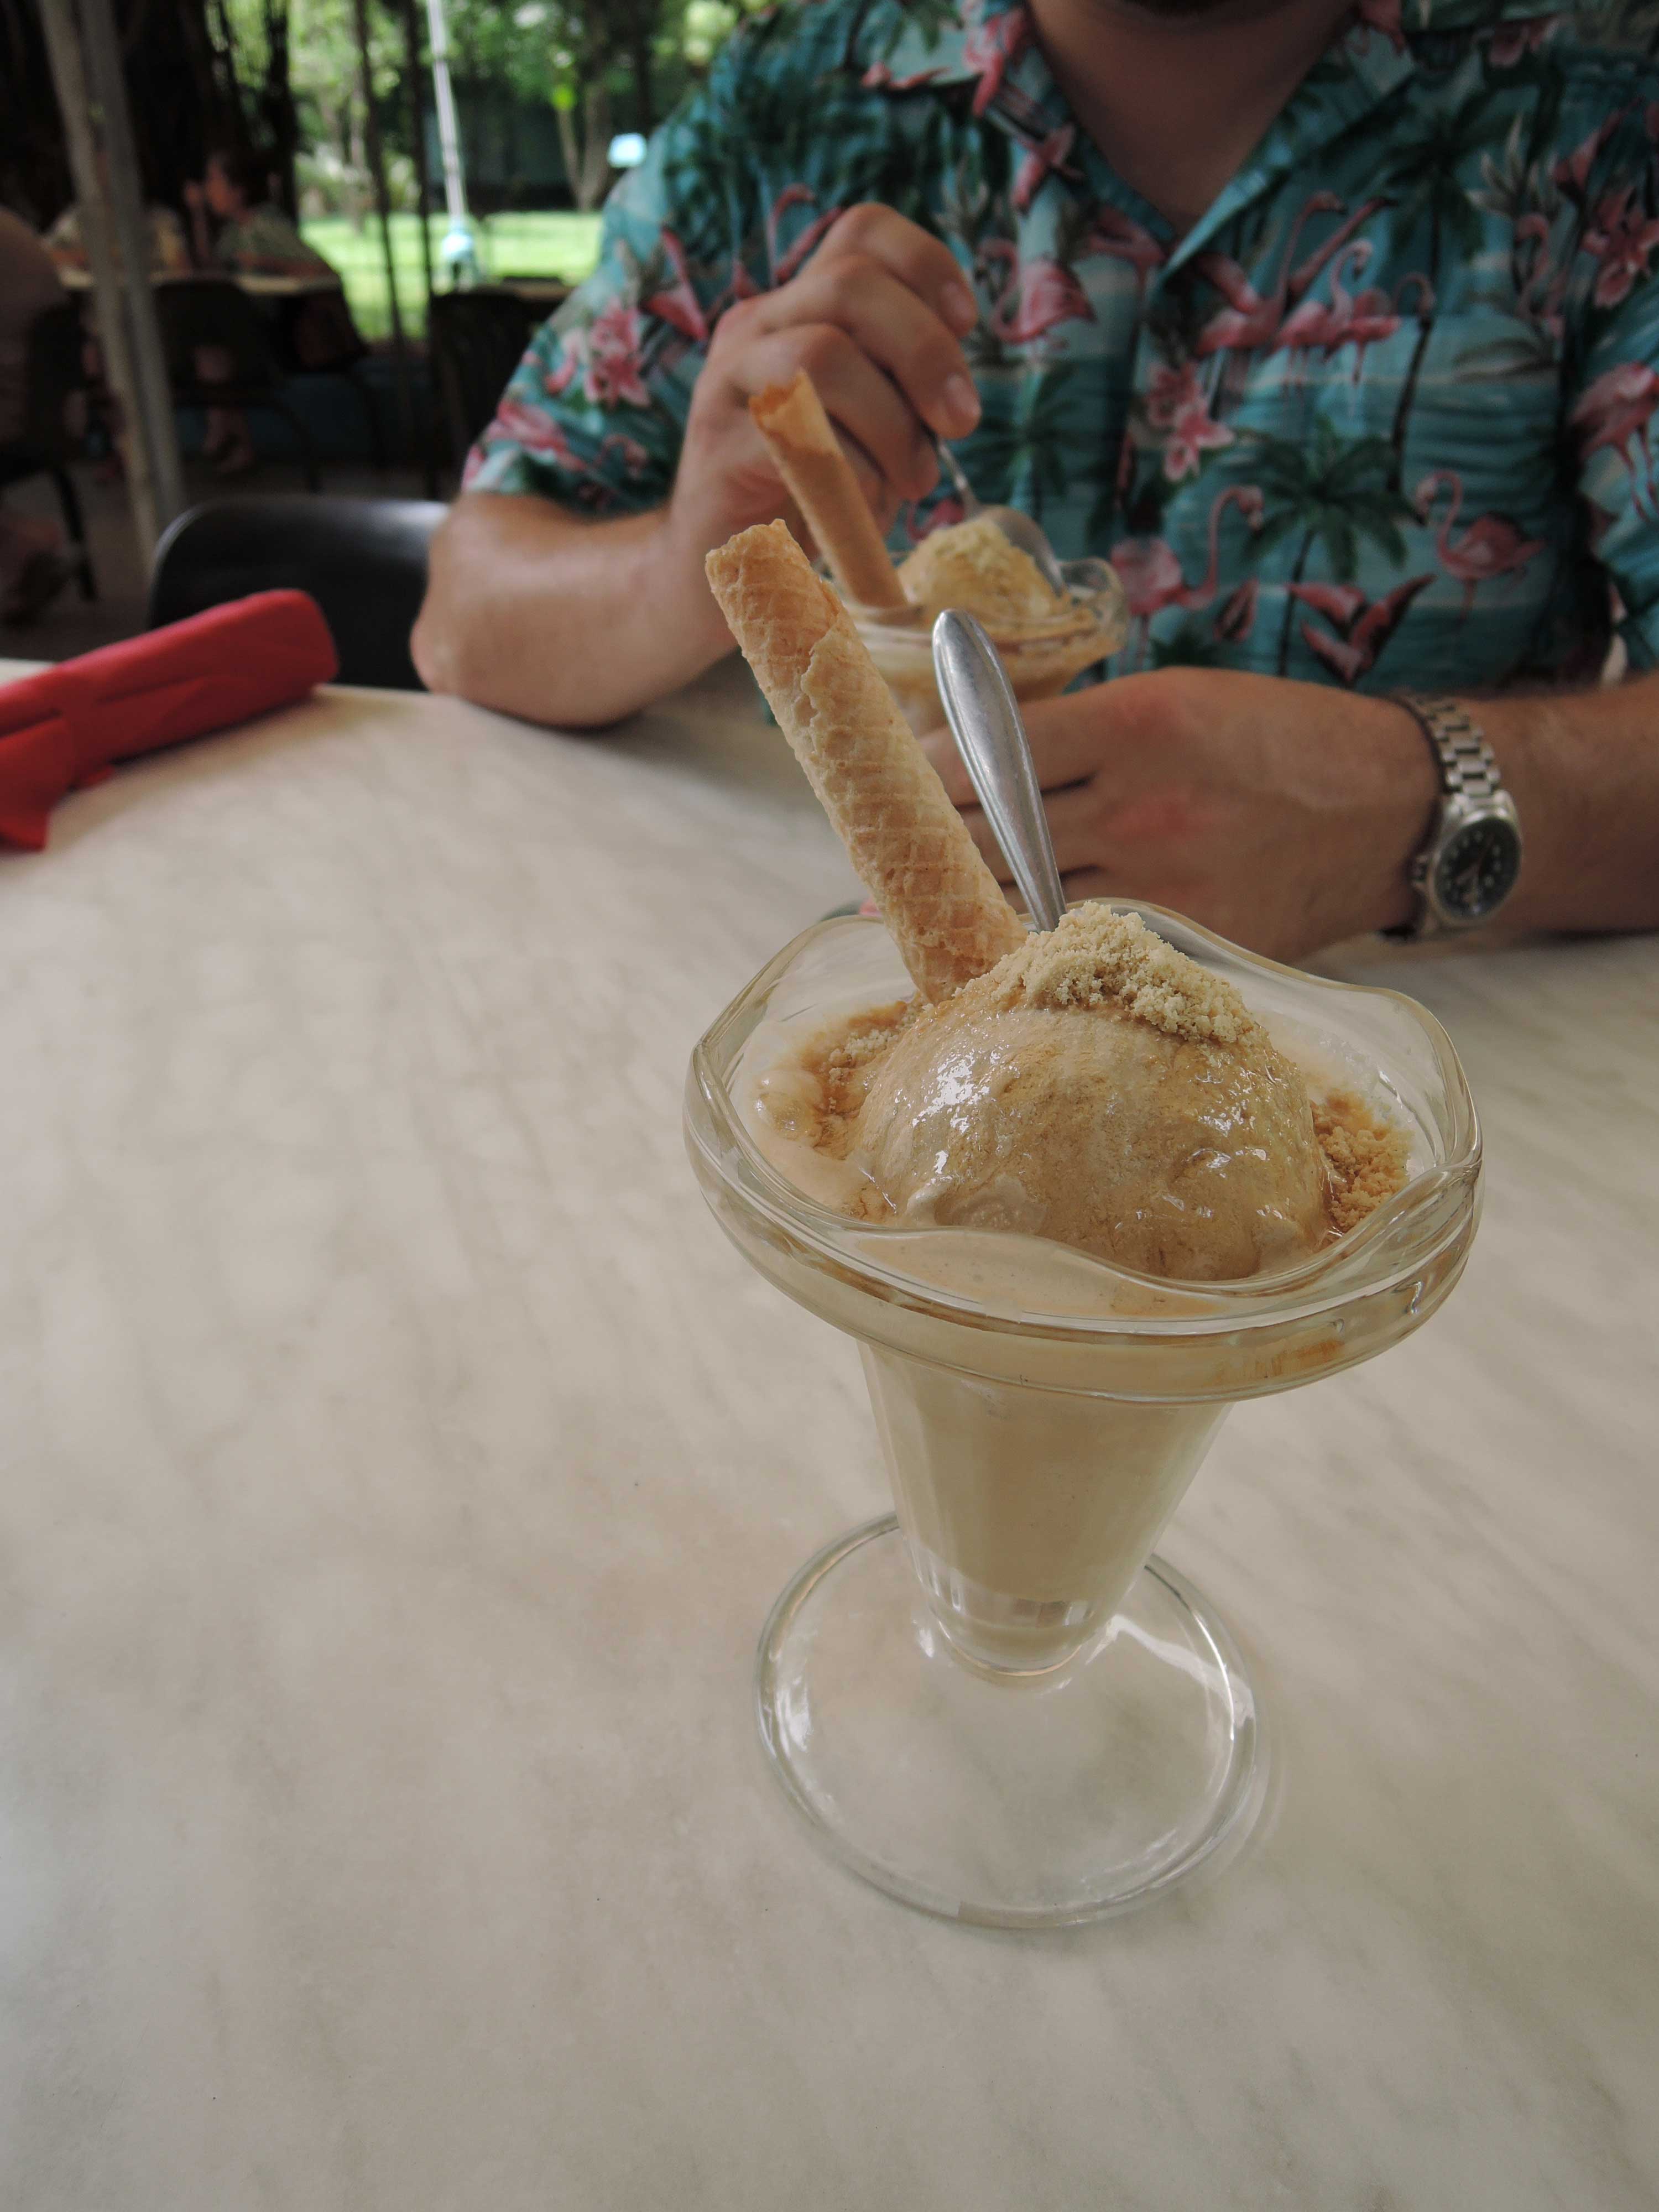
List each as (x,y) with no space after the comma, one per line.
(521,588)
(1282,815)
(877,319)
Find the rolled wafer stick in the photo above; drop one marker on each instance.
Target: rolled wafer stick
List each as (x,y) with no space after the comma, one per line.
(791,419)
(939,901)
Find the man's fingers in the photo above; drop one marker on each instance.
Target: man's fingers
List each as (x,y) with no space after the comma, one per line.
(1074,828)
(894,460)
(890,323)
(1066,747)
(920,261)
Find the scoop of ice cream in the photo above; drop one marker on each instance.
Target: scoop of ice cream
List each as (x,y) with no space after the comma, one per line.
(972,566)
(1098,1088)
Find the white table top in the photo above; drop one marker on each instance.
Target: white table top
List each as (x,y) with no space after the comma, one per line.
(397,1466)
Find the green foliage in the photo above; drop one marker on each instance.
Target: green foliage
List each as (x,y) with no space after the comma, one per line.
(545,52)
(565,245)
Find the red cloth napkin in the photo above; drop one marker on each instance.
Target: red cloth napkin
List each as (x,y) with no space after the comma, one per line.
(67,726)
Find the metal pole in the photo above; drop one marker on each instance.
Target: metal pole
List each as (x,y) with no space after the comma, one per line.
(68,82)
(102,49)
(458,249)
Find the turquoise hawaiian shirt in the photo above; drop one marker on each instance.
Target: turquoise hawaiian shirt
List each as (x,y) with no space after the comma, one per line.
(1382,415)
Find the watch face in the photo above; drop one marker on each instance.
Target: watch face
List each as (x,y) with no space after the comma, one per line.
(1477,870)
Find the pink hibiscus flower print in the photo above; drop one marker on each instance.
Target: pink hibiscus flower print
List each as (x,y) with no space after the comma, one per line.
(532,432)
(1571,172)
(1623,241)
(677,303)
(608,355)
(1175,405)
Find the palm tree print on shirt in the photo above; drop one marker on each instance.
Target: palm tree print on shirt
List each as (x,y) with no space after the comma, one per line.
(1333,492)
(1024,447)
(1423,175)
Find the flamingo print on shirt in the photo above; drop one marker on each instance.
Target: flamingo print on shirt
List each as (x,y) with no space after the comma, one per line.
(1491,546)
(1150,571)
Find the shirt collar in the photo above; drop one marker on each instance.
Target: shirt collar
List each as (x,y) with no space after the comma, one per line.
(989,45)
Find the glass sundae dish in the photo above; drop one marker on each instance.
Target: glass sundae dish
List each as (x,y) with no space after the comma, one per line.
(1043,641)
(1074,1196)
(1045,638)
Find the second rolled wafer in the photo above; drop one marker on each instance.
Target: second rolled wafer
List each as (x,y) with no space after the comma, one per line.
(798,433)
(941,903)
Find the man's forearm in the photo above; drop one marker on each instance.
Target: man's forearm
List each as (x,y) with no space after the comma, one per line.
(576,623)
(1584,768)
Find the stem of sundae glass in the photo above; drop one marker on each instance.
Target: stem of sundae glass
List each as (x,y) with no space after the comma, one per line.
(1029,1511)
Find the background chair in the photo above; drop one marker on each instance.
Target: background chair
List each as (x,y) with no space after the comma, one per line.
(362,559)
(55,368)
(476,340)
(198,312)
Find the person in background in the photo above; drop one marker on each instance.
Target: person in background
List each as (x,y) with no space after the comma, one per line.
(1334,323)
(249,234)
(169,249)
(33,565)
(238,229)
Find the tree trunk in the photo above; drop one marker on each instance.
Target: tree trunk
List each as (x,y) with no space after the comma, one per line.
(357,161)
(566,119)
(417,136)
(276,109)
(1290,604)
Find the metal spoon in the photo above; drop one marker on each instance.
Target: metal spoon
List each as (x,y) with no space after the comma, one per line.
(984,719)
(1019,529)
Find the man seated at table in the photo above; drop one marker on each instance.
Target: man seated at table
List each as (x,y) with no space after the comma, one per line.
(1338,331)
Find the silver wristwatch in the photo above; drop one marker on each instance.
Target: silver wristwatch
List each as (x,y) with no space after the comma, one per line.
(1470,863)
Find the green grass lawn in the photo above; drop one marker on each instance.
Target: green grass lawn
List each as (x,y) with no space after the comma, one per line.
(564,245)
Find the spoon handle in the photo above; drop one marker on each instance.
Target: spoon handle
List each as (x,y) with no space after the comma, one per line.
(953,468)
(984,719)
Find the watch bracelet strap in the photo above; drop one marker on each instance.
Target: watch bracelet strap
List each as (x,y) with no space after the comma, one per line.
(1469,767)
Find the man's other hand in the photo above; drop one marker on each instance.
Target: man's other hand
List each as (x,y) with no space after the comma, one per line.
(1281,815)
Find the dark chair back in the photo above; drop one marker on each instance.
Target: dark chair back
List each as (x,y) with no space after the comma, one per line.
(476,339)
(198,314)
(195,311)
(57,367)
(362,559)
